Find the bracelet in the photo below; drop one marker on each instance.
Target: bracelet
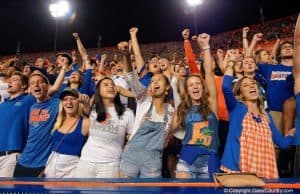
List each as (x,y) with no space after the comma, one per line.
(244,37)
(206,48)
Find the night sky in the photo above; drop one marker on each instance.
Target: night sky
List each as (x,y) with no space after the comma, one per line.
(30,22)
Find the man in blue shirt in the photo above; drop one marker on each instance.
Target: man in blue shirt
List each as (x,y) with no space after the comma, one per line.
(41,121)
(14,113)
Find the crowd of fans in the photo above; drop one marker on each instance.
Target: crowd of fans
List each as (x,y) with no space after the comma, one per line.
(183,109)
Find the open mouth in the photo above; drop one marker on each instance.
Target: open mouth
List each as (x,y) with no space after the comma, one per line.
(69,106)
(196,93)
(37,91)
(155,66)
(157,87)
(253,92)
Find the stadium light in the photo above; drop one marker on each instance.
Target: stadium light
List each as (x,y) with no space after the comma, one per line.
(194,3)
(58,9)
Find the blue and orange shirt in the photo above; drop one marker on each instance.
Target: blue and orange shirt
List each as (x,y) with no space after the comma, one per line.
(201,135)
(278,87)
(41,121)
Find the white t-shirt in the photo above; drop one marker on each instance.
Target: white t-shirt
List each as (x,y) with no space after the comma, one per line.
(106,139)
(120,81)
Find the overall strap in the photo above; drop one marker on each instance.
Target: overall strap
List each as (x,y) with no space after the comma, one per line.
(149,113)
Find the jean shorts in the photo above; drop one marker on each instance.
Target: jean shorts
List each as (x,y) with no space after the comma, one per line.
(141,163)
(198,169)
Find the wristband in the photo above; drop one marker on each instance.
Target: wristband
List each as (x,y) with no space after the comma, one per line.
(206,48)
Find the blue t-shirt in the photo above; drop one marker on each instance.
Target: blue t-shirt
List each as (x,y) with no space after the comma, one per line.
(86,86)
(145,80)
(201,135)
(41,121)
(278,88)
(14,122)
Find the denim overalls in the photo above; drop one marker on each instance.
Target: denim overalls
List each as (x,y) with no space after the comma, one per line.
(143,153)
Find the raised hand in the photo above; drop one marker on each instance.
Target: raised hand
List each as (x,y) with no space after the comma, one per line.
(75,35)
(84,99)
(203,40)
(133,30)
(123,46)
(258,36)
(186,34)
(245,31)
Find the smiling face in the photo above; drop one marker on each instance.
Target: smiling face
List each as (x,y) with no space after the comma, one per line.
(70,105)
(108,89)
(159,86)
(194,89)
(249,90)
(38,87)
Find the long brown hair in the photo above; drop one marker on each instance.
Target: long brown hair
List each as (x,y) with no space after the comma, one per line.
(186,102)
(259,101)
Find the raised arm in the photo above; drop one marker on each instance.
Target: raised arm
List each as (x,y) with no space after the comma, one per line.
(124,48)
(203,41)
(245,39)
(256,38)
(80,46)
(188,50)
(221,60)
(297,56)
(274,49)
(139,60)
(125,92)
(227,87)
(58,82)
(101,65)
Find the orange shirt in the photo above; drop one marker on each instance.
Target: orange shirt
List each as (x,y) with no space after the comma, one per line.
(222,109)
(188,51)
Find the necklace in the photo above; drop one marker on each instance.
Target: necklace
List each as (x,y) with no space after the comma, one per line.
(256,118)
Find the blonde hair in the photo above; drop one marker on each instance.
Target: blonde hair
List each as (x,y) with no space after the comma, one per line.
(61,117)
